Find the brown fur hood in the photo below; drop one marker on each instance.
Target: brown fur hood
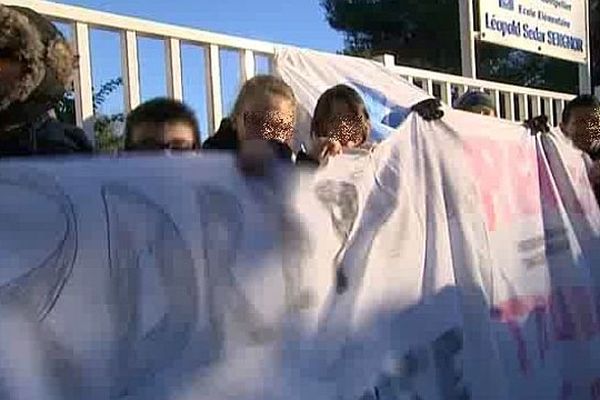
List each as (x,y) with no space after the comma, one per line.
(48,60)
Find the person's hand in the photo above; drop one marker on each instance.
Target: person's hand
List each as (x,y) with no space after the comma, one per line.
(429,110)
(537,124)
(323,148)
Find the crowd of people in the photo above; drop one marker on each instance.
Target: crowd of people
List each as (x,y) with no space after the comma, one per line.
(37,64)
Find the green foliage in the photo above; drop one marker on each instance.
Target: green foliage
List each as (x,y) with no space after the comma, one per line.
(426,34)
(106,138)
(106,127)
(521,68)
(419,33)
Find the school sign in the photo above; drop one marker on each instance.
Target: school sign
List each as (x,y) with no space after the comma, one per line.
(556,28)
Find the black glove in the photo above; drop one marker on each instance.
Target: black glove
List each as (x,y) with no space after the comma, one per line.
(429,110)
(537,124)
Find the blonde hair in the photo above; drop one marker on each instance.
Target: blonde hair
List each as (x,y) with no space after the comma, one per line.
(260,85)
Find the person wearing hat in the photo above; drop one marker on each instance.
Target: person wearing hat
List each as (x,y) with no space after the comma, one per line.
(36,67)
(476,102)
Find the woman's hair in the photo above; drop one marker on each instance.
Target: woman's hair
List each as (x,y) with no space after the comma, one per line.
(339,93)
(260,85)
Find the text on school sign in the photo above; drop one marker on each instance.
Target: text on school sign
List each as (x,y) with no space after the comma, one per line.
(555,28)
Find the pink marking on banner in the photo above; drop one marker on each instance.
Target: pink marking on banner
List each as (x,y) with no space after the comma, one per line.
(571,310)
(513,312)
(507,179)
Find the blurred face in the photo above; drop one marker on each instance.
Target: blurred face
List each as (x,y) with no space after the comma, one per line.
(344,126)
(583,127)
(489,112)
(270,117)
(11,71)
(482,110)
(147,136)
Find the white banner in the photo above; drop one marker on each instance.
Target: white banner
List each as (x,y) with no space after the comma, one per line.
(556,28)
(458,260)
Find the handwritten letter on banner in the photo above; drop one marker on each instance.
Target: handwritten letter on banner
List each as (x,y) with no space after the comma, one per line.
(458,260)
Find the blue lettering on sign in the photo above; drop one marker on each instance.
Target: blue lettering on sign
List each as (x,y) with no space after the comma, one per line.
(533,34)
(512,28)
(526,11)
(386,116)
(565,41)
(507,4)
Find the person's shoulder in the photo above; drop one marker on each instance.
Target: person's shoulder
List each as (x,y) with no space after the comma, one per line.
(224,139)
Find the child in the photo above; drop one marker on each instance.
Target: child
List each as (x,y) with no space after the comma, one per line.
(265,109)
(36,67)
(340,121)
(261,125)
(161,124)
(581,123)
(476,102)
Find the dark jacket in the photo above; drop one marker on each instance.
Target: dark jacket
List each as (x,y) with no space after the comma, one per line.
(226,139)
(26,125)
(45,136)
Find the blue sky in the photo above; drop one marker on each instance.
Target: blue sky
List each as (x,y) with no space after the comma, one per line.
(297,22)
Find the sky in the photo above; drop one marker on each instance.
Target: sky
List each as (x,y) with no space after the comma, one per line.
(297,22)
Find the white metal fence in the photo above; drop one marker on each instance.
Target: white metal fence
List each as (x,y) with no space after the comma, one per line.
(512,102)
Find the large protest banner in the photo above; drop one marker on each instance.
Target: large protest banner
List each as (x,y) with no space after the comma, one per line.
(457,260)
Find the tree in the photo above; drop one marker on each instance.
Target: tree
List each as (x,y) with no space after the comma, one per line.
(426,34)
(418,33)
(106,127)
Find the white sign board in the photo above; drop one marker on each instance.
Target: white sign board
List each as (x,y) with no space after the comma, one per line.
(555,28)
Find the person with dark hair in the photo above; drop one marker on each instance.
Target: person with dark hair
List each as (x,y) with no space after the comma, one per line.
(477,102)
(36,67)
(162,124)
(340,121)
(581,123)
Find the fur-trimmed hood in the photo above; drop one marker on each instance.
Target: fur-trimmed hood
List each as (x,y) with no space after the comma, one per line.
(48,61)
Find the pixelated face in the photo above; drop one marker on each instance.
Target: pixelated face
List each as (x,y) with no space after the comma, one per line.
(178,136)
(11,71)
(344,126)
(489,112)
(583,127)
(269,118)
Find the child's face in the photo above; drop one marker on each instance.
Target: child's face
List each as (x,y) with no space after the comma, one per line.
(168,136)
(583,127)
(269,117)
(344,126)
(11,71)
